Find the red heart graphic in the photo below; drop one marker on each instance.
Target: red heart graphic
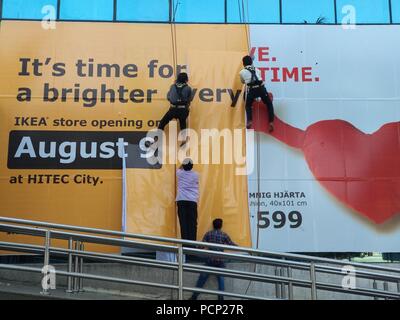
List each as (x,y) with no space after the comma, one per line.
(361,170)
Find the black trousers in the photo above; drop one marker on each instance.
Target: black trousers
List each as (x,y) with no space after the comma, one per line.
(187,213)
(175,113)
(260,92)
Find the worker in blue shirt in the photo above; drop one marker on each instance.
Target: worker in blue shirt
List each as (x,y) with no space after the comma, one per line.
(219,237)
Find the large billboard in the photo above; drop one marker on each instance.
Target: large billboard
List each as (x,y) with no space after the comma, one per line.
(76,99)
(329,176)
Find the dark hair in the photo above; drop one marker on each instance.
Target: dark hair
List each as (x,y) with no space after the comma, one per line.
(182,77)
(247,61)
(187,164)
(217,224)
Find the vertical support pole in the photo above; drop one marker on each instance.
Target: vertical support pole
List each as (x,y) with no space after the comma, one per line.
(336,13)
(398,286)
(115,11)
(170,10)
(283,286)
(277,285)
(226,11)
(375,286)
(76,267)
(386,287)
(47,249)
(390,12)
(82,248)
(46,262)
(69,279)
(180,272)
(58,9)
(290,284)
(313,281)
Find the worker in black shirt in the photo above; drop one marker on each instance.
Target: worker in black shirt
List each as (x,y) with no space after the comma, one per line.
(255,89)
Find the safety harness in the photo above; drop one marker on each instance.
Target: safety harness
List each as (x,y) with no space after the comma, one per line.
(254,82)
(181,102)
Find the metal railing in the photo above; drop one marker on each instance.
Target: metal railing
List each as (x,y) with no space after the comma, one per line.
(284,265)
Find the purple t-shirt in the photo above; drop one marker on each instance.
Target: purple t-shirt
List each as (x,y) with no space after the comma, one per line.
(188,185)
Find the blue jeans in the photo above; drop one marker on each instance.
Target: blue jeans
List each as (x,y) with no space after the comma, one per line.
(202,281)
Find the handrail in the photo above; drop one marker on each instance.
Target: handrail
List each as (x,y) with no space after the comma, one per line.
(121,239)
(188,243)
(196,268)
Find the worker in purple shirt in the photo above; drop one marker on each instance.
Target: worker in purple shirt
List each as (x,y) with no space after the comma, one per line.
(219,237)
(187,198)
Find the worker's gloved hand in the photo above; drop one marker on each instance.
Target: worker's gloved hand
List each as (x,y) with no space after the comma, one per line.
(271,127)
(184,142)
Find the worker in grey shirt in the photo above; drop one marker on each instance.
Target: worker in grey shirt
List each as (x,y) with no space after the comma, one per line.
(180,97)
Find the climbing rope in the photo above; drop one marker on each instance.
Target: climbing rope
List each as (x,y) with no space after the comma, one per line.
(174,63)
(173,37)
(244,19)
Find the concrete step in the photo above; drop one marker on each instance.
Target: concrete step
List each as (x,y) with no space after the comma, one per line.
(25,291)
(157,275)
